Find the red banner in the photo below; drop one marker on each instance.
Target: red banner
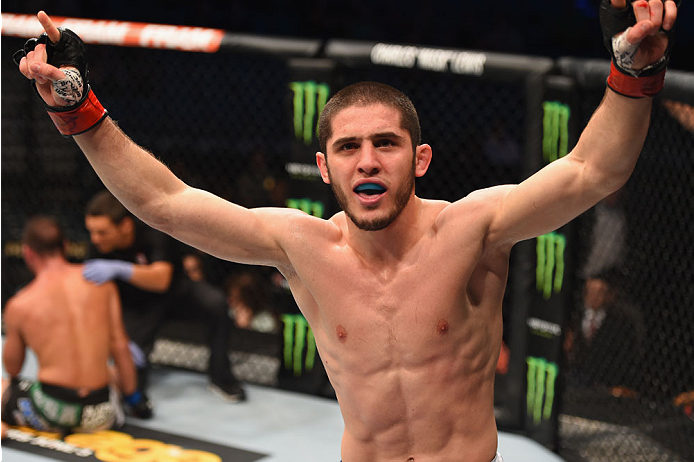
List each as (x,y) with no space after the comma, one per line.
(121,33)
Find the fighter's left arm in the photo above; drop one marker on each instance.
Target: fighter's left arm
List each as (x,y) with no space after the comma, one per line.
(601,163)
(118,343)
(14,348)
(608,148)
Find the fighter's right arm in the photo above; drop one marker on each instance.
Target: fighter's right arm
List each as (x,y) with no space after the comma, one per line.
(149,190)
(14,348)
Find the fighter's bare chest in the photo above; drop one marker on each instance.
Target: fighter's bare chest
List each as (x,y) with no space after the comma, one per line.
(416,297)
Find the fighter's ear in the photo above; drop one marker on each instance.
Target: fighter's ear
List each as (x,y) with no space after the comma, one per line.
(26,251)
(322,163)
(30,257)
(422,159)
(127,225)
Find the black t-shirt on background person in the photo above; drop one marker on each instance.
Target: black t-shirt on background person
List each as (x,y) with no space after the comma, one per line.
(149,246)
(145,312)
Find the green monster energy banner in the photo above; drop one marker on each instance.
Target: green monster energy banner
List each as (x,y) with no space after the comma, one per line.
(309,100)
(542,376)
(547,295)
(555,130)
(308,92)
(315,208)
(298,338)
(549,270)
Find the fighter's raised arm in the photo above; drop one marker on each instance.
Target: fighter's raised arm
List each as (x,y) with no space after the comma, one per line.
(638,37)
(57,64)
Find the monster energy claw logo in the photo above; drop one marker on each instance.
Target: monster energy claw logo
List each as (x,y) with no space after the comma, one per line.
(555,129)
(315,208)
(550,262)
(297,336)
(542,376)
(309,99)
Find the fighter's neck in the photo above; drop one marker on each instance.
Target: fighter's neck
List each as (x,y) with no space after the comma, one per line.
(128,240)
(51,264)
(394,241)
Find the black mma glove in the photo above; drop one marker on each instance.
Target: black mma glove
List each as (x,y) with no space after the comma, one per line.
(84,111)
(623,78)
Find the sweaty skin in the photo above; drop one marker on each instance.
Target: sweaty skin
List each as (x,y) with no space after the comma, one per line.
(410,342)
(73,326)
(407,319)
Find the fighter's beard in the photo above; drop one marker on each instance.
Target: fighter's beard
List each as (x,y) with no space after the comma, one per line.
(402,196)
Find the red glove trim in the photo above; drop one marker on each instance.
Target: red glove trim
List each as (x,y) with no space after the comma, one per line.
(635,87)
(80,119)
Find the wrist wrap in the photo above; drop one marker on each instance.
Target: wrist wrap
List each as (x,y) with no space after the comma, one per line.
(635,87)
(74,120)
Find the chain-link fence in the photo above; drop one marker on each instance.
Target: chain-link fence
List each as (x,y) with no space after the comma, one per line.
(227,122)
(630,369)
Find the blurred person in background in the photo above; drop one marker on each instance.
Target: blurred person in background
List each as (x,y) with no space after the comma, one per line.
(193,266)
(604,347)
(247,299)
(74,327)
(146,265)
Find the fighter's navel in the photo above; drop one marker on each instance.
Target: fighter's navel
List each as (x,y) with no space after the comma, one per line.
(441,327)
(341,333)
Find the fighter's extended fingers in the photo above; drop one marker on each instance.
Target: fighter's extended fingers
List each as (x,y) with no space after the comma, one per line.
(670,14)
(52,31)
(641,10)
(28,61)
(640,30)
(656,11)
(32,57)
(45,71)
(37,55)
(619,4)
(24,67)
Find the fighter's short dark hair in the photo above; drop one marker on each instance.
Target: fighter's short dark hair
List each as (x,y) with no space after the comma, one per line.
(44,235)
(105,204)
(362,94)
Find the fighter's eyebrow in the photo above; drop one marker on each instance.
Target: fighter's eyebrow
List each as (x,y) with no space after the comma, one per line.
(386,135)
(375,136)
(343,140)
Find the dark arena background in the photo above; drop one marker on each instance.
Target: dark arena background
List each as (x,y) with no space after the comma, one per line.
(598,316)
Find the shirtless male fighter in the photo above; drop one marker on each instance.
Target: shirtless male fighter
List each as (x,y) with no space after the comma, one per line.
(403,294)
(74,327)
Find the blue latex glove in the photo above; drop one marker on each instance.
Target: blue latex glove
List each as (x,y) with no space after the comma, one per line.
(101,270)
